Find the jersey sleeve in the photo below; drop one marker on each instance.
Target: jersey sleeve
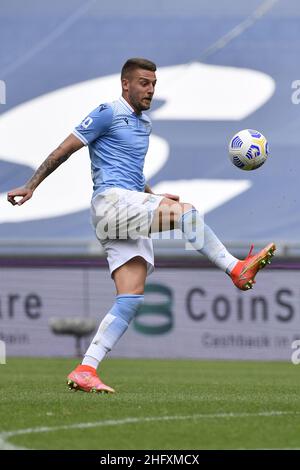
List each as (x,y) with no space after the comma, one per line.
(94,124)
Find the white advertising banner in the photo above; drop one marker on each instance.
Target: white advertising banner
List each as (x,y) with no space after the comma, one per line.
(188,313)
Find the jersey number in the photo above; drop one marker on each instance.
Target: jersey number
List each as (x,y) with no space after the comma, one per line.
(87,122)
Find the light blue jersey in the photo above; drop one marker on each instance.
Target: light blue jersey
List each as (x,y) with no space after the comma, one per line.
(118,141)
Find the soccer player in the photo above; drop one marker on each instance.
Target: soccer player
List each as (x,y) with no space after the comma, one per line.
(125,210)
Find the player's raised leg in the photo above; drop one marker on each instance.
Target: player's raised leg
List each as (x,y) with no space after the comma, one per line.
(130,282)
(172,214)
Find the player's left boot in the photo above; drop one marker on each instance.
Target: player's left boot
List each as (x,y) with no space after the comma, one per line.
(244,272)
(85,378)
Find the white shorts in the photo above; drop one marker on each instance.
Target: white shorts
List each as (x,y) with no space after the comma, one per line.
(122,219)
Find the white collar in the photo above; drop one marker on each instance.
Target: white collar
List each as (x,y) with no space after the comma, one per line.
(126,104)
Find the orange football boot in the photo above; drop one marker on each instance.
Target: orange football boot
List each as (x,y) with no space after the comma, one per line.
(85,378)
(244,272)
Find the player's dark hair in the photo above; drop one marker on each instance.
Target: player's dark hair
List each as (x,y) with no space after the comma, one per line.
(137,63)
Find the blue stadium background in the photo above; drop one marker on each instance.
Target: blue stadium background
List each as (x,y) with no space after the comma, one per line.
(100,36)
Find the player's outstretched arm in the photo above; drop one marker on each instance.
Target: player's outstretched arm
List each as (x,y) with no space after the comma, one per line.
(70,145)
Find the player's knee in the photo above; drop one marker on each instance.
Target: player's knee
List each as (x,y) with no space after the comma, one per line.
(177,209)
(186,207)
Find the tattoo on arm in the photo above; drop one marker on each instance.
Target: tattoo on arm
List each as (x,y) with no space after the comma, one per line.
(53,161)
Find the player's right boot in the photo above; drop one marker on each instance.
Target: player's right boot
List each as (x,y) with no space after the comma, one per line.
(244,272)
(85,378)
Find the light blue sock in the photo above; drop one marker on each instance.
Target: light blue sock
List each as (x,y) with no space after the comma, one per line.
(205,241)
(112,327)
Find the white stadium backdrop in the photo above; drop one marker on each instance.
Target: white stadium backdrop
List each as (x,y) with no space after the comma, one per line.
(203,92)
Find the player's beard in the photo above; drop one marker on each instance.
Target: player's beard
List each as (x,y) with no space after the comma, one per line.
(140,105)
(148,101)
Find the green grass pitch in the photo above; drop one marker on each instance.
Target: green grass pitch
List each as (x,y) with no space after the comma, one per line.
(159,404)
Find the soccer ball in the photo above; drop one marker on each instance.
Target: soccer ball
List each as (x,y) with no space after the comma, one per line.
(248,149)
